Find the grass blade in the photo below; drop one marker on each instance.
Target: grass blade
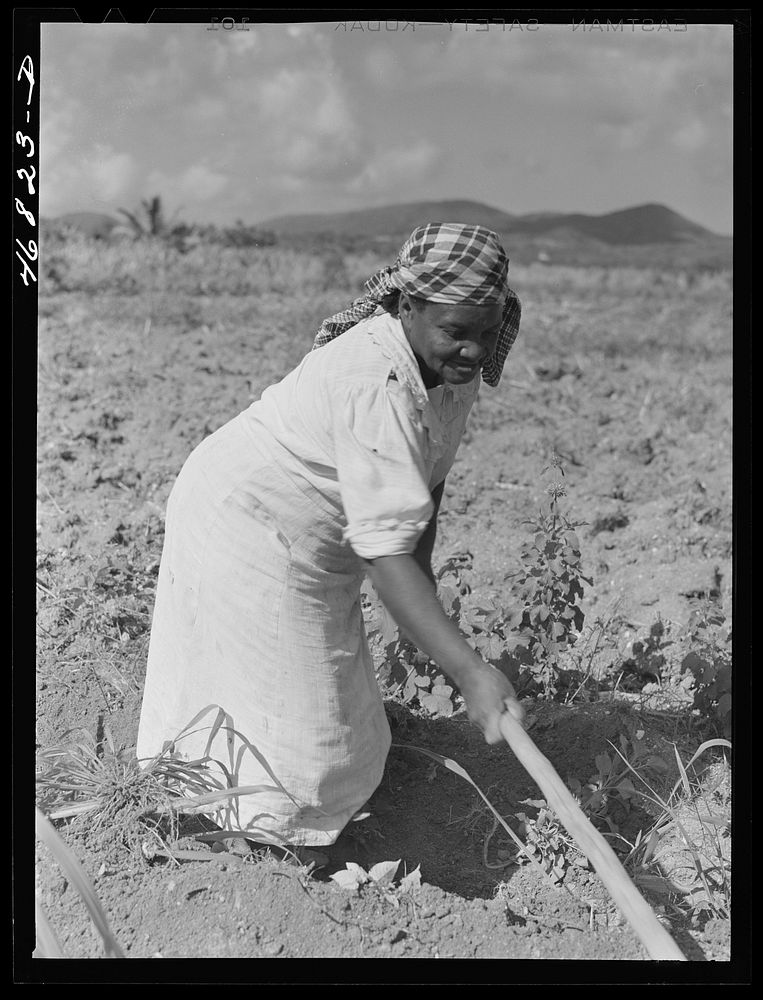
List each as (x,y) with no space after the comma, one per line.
(218,797)
(76,875)
(48,945)
(705,746)
(457,769)
(682,771)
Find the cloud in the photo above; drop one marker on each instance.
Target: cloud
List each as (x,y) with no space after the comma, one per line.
(381,66)
(98,178)
(58,127)
(111,172)
(599,77)
(310,126)
(245,43)
(401,166)
(691,137)
(257,121)
(194,184)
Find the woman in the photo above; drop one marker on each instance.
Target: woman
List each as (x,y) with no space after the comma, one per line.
(275,519)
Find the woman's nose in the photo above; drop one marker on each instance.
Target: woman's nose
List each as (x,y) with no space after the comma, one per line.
(473,353)
(476,351)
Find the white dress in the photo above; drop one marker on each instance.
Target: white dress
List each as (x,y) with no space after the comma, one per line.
(258,597)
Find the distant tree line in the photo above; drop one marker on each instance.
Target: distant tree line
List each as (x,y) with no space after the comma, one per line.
(149,221)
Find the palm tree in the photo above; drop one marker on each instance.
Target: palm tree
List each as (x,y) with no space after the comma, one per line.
(148,220)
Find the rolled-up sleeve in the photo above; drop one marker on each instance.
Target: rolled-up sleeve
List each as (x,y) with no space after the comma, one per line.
(380,448)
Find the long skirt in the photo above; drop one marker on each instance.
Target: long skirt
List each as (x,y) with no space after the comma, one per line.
(258,619)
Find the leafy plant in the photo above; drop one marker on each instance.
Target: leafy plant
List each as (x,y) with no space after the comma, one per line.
(648,660)
(605,797)
(596,642)
(381,877)
(405,674)
(546,839)
(551,586)
(709,659)
(529,638)
(485,622)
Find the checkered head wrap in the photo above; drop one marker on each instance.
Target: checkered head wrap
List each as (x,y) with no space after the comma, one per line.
(442,262)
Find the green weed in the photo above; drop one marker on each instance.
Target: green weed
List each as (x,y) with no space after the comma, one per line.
(685,854)
(550,586)
(682,854)
(527,639)
(380,877)
(709,660)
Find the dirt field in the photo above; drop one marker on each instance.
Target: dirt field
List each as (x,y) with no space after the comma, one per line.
(625,374)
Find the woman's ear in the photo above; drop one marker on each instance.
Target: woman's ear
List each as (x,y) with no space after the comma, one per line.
(404,309)
(389,303)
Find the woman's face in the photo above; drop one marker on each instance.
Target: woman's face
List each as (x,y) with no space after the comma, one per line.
(451,342)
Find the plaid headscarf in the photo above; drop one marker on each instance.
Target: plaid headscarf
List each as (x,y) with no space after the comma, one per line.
(442,262)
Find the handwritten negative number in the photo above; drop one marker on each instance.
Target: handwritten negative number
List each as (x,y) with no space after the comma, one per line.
(22,140)
(24,211)
(31,252)
(21,174)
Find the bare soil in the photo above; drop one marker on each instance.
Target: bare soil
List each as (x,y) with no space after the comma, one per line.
(626,376)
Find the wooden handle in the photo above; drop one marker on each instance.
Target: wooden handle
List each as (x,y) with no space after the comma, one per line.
(658,943)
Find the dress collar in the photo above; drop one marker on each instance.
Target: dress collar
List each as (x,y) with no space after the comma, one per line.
(387,331)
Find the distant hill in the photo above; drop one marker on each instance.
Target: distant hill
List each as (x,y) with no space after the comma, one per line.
(643,236)
(630,226)
(642,224)
(91,223)
(391,220)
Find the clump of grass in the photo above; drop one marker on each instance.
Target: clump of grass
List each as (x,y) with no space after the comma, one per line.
(685,855)
(137,804)
(681,853)
(128,798)
(156,267)
(84,780)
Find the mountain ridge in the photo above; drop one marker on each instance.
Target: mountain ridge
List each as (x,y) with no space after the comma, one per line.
(639,224)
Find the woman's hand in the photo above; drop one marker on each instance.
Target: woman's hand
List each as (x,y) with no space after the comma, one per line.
(488,694)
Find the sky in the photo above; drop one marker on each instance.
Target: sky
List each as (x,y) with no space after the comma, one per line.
(232,124)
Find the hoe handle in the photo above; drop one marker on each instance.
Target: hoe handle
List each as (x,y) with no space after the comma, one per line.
(658,943)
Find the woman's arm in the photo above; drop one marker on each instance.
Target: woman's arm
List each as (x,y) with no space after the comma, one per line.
(411,600)
(423,553)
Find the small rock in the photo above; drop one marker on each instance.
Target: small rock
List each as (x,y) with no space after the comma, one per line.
(272,949)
